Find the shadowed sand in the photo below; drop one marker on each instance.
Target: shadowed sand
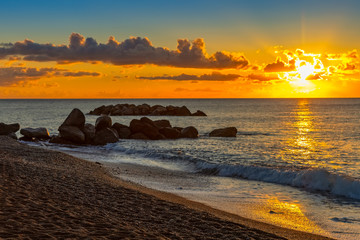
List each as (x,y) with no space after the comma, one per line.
(50,195)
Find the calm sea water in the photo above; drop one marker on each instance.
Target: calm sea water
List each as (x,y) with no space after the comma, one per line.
(295,162)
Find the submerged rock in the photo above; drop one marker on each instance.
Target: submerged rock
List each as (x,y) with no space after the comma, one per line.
(224,132)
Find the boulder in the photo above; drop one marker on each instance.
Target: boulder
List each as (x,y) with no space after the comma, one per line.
(139,135)
(189,132)
(105,136)
(148,121)
(159,110)
(39,133)
(162,123)
(199,113)
(183,111)
(75,118)
(123,131)
(97,111)
(170,133)
(89,131)
(224,132)
(72,133)
(151,131)
(103,122)
(6,129)
(136,125)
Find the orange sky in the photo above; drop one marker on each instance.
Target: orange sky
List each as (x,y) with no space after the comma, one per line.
(201,49)
(290,73)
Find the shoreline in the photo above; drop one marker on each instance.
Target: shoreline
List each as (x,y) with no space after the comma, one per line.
(54,195)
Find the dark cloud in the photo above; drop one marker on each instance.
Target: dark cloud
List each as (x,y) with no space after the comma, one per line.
(11,75)
(131,51)
(280,66)
(214,76)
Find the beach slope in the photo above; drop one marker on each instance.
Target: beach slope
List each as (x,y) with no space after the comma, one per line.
(49,194)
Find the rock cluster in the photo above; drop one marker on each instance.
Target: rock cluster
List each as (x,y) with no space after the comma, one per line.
(9,129)
(143,110)
(74,130)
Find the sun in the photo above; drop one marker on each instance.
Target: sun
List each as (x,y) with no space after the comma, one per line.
(305,72)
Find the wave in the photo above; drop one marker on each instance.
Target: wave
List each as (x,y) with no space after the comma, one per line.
(311,179)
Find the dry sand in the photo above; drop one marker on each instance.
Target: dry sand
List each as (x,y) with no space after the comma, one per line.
(51,195)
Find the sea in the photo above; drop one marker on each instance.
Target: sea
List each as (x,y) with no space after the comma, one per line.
(294,162)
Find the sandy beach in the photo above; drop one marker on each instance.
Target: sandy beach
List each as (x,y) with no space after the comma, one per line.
(51,195)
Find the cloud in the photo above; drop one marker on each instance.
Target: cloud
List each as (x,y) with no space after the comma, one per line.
(134,50)
(214,76)
(262,78)
(12,75)
(196,90)
(280,66)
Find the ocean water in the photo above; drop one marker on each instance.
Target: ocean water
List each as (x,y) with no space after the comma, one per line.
(294,162)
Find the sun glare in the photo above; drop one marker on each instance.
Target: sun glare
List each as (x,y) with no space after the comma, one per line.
(305,72)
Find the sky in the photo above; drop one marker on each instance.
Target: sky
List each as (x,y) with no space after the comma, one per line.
(179,49)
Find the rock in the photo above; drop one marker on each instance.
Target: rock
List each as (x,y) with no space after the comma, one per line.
(59,140)
(105,136)
(183,111)
(27,139)
(139,136)
(224,132)
(123,131)
(136,125)
(151,131)
(170,133)
(103,122)
(75,118)
(189,132)
(97,111)
(13,135)
(72,133)
(179,128)
(89,131)
(162,123)
(6,129)
(39,133)
(148,121)
(199,113)
(159,110)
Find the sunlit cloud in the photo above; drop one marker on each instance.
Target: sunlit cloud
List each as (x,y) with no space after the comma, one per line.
(214,76)
(132,51)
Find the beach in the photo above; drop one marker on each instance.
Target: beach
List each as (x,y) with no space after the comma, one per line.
(50,195)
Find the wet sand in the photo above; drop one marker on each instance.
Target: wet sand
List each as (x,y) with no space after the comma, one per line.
(50,195)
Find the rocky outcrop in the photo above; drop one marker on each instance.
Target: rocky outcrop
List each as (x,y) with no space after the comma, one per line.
(224,132)
(7,129)
(35,133)
(144,109)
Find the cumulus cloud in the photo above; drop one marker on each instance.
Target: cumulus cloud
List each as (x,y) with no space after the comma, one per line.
(214,76)
(12,75)
(131,51)
(280,66)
